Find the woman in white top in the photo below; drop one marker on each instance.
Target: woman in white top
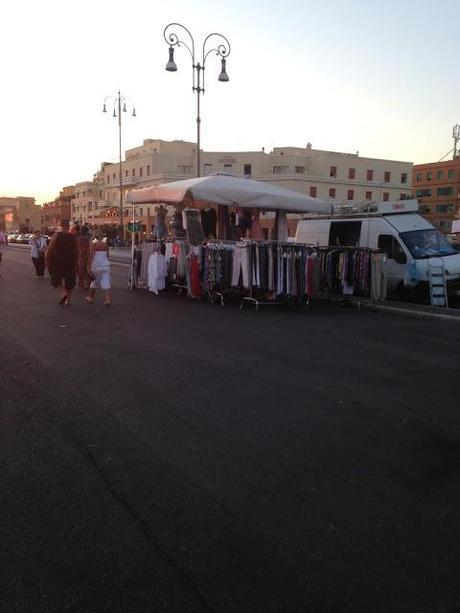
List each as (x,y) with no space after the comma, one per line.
(99,269)
(37,252)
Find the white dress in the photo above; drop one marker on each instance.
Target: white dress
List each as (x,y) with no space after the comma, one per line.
(100,268)
(156,272)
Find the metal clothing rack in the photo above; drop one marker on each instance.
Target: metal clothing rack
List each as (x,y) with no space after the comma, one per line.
(257,303)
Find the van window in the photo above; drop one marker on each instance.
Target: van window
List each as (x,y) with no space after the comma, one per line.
(389,245)
(427,243)
(345,233)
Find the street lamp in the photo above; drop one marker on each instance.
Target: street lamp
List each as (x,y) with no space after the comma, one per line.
(222,49)
(120,104)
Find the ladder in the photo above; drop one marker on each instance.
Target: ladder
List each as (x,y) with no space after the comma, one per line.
(437,279)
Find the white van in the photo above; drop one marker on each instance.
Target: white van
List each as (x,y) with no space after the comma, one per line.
(397,229)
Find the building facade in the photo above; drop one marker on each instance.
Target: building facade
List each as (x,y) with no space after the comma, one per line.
(328,175)
(437,187)
(52,213)
(20,213)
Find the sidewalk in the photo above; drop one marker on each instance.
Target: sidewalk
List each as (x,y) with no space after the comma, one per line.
(421,311)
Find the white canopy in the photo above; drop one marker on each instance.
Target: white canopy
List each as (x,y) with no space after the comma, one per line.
(231,191)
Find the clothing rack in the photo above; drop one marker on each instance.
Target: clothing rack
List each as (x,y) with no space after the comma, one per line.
(267,272)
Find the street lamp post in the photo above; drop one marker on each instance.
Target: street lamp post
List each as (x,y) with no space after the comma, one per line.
(222,49)
(120,104)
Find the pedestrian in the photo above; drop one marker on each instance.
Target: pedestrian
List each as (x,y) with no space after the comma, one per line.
(37,251)
(99,269)
(61,260)
(3,241)
(83,244)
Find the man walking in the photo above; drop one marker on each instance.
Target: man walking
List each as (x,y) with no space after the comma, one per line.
(61,260)
(37,251)
(3,241)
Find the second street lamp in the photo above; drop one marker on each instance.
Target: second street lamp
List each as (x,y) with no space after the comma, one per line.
(222,49)
(120,104)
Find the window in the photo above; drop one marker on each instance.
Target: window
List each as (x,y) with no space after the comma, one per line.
(313,191)
(141,172)
(126,173)
(386,196)
(445,191)
(403,196)
(108,178)
(418,176)
(368,195)
(100,193)
(450,173)
(352,173)
(333,171)
(351,194)
(227,166)
(187,170)
(114,176)
(133,173)
(444,208)
(424,209)
(207,169)
(439,175)
(247,170)
(427,243)
(300,170)
(84,194)
(428,176)
(345,233)
(141,211)
(148,170)
(404,177)
(332,192)
(389,245)
(423,193)
(148,211)
(369,175)
(387,176)
(280,170)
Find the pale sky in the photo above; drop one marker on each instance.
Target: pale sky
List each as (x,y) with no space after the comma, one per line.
(376,77)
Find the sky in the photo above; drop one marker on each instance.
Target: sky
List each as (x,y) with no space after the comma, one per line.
(376,77)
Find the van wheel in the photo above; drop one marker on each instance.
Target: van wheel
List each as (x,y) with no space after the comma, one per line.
(405,294)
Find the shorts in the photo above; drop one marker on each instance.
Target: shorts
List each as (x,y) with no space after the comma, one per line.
(69,278)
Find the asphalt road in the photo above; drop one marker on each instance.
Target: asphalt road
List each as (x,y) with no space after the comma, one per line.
(168,455)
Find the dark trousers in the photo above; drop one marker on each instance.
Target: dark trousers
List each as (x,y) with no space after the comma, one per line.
(39,264)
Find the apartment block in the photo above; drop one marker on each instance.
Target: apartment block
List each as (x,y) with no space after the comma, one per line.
(20,213)
(437,187)
(329,175)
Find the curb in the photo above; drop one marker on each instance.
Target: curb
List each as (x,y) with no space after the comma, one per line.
(409,312)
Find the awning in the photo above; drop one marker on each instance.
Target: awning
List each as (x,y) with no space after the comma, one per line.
(231,191)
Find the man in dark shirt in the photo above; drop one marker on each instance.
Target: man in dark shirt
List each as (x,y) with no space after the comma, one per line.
(61,260)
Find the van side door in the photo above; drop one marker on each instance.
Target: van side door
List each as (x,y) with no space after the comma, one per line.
(345,233)
(396,260)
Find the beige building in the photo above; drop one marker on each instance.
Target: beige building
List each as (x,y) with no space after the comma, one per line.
(20,213)
(329,175)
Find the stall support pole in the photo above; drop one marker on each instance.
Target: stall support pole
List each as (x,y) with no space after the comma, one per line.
(132,254)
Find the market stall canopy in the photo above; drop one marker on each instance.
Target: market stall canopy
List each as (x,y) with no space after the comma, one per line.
(231,191)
